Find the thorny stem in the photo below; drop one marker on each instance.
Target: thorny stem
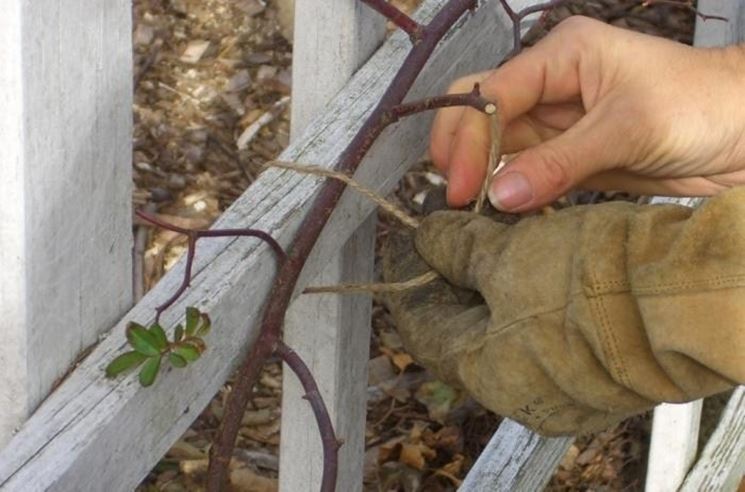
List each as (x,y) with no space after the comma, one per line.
(388,110)
(472,99)
(397,17)
(517,19)
(328,437)
(195,234)
(280,295)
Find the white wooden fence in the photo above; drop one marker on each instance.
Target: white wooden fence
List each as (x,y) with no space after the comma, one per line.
(65,218)
(65,239)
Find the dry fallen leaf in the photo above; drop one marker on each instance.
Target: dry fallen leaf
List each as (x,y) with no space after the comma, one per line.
(402,360)
(416,455)
(389,449)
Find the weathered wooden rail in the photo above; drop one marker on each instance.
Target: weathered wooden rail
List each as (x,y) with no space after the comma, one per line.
(97,434)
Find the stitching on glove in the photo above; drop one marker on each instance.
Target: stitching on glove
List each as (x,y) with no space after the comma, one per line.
(621,286)
(716,282)
(608,341)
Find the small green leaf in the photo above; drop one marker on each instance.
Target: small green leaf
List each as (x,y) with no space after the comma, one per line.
(159,335)
(205,325)
(142,340)
(176,360)
(124,362)
(197,343)
(178,333)
(149,370)
(189,352)
(192,319)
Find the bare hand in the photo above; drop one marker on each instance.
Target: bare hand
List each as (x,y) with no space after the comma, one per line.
(601,108)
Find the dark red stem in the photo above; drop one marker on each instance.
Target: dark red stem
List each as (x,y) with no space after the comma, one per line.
(328,437)
(472,99)
(517,19)
(193,236)
(399,18)
(190,252)
(324,204)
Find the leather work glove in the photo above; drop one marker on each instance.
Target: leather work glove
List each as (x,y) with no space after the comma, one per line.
(573,321)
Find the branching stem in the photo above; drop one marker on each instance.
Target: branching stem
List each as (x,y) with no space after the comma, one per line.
(517,19)
(323,206)
(389,109)
(328,437)
(472,99)
(193,235)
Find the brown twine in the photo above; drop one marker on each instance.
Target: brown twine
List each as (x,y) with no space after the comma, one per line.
(494,157)
(387,206)
(403,217)
(376,288)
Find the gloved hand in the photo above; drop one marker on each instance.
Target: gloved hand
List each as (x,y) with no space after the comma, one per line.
(586,316)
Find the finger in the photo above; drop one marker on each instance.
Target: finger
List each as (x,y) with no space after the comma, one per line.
(447,119)
(544,122)
(547,73)
(457,244)
(469,152)
(541,174)
(468,158)
(431,317)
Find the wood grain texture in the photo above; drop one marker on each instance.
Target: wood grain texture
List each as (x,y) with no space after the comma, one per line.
(673,445)
(65,223)
(714,32)
(332,39)
(330,332)
(82,436)
(515,460)
(721,466)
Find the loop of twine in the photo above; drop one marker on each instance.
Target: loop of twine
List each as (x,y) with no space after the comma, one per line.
(494,157)
(398,213)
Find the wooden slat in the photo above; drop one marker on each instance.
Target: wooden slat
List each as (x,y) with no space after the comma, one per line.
(675,428)
(65,159)
(334,339)
(713,32)
(82,436)
(673,445)
(721,466)
(515,460)
(330,332)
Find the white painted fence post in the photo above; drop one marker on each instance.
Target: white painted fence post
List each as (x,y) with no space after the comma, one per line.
(331,332)
(65,219)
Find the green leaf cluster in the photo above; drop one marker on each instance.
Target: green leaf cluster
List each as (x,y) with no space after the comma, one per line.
(150,345)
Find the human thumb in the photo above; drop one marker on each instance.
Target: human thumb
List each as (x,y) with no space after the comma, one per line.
(541,174)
